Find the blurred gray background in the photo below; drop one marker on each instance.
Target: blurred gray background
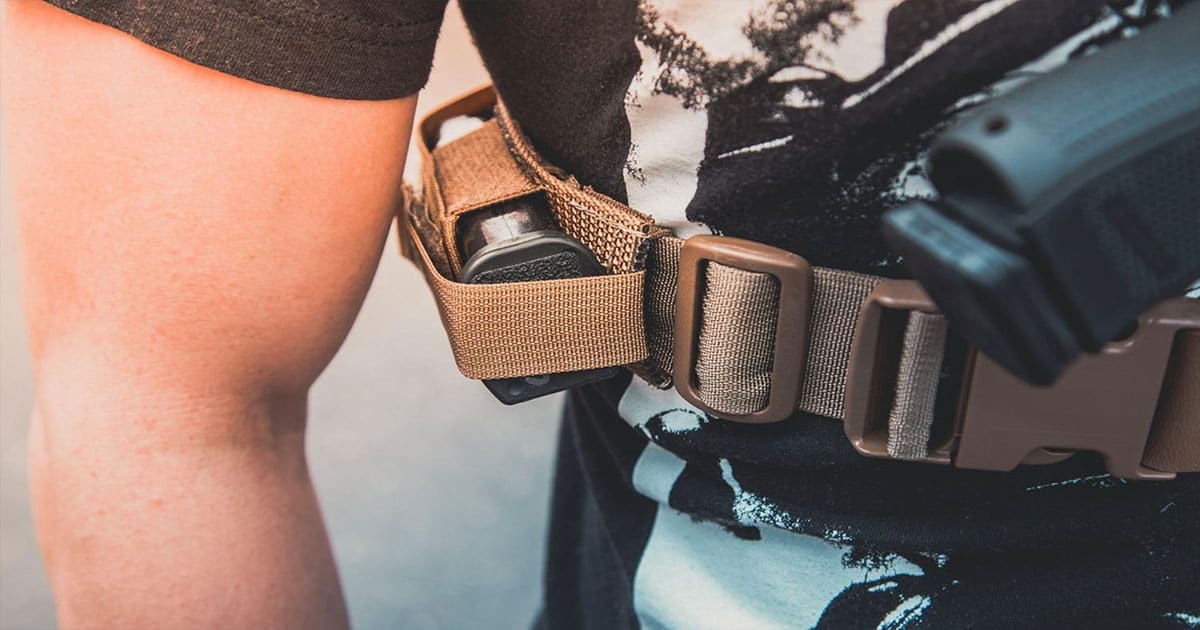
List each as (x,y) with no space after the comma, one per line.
(435,495)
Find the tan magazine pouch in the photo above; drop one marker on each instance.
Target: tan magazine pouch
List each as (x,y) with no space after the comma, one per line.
(523,328)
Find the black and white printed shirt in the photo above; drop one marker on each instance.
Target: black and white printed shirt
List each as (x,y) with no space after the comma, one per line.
(798,124)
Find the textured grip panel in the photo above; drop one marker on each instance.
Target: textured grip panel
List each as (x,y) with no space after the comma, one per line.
(1074,114)
(1122,92)
(1031,147)
(1129,240)
(1147,218)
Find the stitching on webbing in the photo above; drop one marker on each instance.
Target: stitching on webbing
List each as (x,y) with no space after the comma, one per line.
(305,28)
(527,163)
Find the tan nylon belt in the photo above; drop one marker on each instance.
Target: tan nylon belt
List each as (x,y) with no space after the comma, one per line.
(743,354)
(628,317)
(911,419)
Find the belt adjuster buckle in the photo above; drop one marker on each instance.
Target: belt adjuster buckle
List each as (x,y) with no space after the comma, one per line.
(794,275)
(1104,402)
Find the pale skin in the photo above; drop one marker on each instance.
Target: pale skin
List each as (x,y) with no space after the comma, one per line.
(194,249)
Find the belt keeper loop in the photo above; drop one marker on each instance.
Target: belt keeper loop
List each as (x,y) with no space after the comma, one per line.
(795,302)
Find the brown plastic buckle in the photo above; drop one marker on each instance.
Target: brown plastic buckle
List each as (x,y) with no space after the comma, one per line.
(791,328)
(874,362)
(1103,403)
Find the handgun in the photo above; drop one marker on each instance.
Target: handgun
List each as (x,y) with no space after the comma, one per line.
(1068,206)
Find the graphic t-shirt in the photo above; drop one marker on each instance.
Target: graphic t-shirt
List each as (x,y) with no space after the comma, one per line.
(795,123)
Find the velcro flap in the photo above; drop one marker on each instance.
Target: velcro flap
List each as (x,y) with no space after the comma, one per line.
(542,327)
(477,170)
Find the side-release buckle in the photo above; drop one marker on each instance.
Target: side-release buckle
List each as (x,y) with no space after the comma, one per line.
(1104,402)
(794,275)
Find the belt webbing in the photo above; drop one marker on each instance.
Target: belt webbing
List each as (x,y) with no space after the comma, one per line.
(736,342)
(738,312)
(520,329)
(911,419)
(737,337)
